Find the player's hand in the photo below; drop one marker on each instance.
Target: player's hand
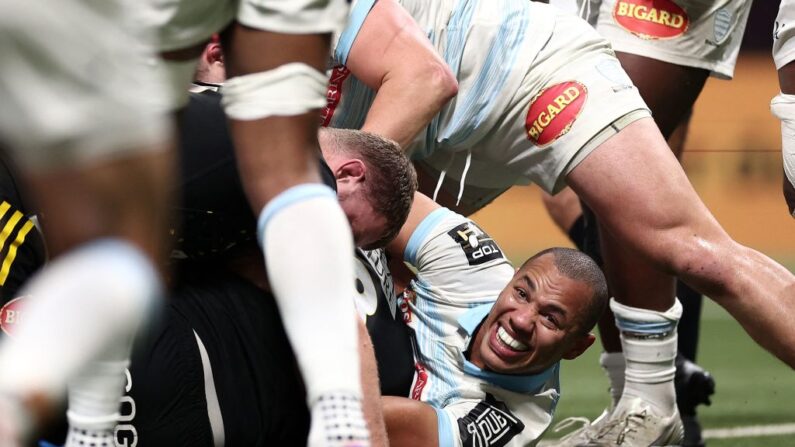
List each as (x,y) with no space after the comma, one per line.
(338,421)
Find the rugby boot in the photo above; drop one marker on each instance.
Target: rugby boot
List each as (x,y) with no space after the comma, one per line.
(582,435)
(694,386)
(634,423)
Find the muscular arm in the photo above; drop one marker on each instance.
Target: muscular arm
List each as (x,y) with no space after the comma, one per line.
(410,423)
(394,57)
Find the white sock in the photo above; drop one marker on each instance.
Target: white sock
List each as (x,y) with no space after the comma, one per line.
(613,365)
(94,395)
(648,339)
(308,250)
(83,307)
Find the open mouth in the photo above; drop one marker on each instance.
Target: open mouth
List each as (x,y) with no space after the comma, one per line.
(512,343)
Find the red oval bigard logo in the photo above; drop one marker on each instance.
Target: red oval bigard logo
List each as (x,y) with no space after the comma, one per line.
(651,19)
(11,315)
(553,111)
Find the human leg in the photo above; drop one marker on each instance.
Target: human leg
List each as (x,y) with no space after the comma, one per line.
(93,154)
(663,220)
(303,232)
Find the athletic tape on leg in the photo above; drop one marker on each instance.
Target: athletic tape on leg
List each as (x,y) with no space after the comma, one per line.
(646,322)
(291,89)
(783,107)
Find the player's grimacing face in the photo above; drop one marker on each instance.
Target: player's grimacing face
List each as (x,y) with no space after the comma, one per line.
(534,322)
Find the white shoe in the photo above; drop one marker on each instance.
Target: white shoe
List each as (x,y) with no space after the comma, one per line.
(582,435)
(634,423)
(338,421)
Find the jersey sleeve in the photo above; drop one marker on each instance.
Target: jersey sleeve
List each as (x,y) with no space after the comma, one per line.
(456,261)
(359,11)
(21,246)
(495,421)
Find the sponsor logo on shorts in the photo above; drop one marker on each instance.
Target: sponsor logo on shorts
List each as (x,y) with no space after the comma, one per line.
(11,315)
(489,424)
(553,111)
(478,246)
(651,19)
(333,93)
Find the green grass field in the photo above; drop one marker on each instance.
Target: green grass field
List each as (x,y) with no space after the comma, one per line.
(752,387)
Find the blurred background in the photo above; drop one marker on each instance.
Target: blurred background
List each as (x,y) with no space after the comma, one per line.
(733,159)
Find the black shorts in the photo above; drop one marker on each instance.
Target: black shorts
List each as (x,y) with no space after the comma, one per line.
(257,383)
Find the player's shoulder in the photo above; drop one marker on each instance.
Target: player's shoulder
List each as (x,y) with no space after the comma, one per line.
(457,236)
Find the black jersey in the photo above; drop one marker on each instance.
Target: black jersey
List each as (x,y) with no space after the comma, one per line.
(21,246)
(389,334)
(217,223)
(214,217)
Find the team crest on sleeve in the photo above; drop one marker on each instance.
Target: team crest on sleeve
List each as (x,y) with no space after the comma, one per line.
(11,315)
(651,19)
(489,424)
(553,111)
(478,246)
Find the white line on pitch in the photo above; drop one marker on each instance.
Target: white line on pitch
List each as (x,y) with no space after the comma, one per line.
(749,431)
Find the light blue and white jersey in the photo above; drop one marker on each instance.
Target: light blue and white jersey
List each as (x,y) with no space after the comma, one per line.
(461,272)
(488,45)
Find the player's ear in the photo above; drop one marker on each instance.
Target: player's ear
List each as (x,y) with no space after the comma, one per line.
(581,343)
(352,171)
(215,53)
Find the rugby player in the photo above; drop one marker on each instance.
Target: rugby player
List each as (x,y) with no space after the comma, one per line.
(93,153)
(668,49)
(783,105)
(219,368)
(275,56)
(558,109)
(489,338)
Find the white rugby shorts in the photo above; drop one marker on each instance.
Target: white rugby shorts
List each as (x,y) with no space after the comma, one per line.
(784,34)
(75,83)
(573,97)
(695,33)
(185,23)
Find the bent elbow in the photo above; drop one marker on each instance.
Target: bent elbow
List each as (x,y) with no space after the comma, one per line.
(438,82)
(447,84)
